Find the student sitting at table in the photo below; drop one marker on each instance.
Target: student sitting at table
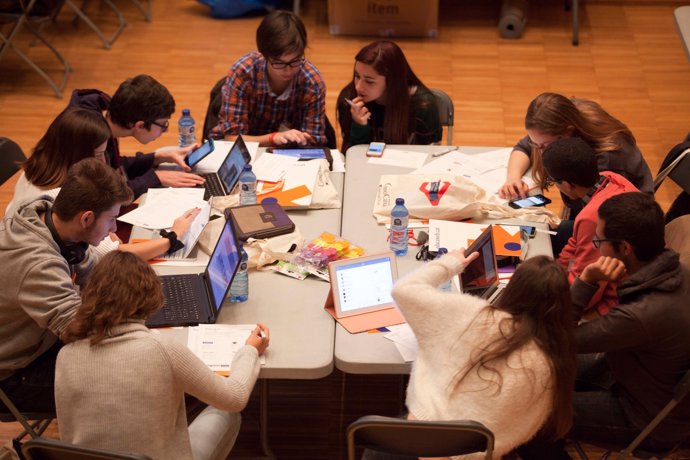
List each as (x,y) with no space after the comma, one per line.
(571,165)
(140,108)
(510,366)
(551,116)
(275,96)
(121,386)
(387,102)
(75,134)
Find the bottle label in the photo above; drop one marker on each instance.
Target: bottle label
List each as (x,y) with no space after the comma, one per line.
(397,221)
(243,266)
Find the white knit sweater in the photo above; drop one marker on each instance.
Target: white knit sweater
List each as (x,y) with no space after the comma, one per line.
(451,328)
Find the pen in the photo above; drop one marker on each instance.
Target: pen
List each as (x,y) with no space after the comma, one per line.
(443,152)
(352,104)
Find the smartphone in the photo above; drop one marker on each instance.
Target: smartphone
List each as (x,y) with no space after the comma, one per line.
(199,154)
(534,200)
(376,149)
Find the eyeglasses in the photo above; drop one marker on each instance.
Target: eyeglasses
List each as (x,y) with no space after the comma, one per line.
(279,65)
(597,241)
(550,181)
(163,126)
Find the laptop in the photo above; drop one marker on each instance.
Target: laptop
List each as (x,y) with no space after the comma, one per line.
(222,182)
(480,278)
(197,298)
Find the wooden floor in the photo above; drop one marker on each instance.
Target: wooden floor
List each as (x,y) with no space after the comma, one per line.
(630,59)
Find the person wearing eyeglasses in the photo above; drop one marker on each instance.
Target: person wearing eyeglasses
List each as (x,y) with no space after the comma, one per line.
(140,108)
(552,116)
(275,96)
(571,165)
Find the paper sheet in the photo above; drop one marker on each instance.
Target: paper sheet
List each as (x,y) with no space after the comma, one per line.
(404,340)
(193,234)
(163,206)
(456,235)
(217,344)
(213,161)
(271,168)
(338,163)
(400,158)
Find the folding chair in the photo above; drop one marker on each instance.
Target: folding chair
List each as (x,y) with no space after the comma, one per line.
(23,13)
(418,438)
(34,423)
(10,157)
(81,14)
(52,449)
(446,112)
(676,165)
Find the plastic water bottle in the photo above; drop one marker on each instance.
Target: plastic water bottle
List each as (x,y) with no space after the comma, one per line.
(398,235)
(247,186)
(448,285)
(186,129)
(239,288)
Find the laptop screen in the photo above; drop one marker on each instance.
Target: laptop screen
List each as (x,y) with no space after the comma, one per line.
(223,265)
(231,168)
(482,273)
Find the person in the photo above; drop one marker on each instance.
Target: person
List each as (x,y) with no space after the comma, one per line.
(388,102)
(551,116)
(113,364)
(496,364)
(75,134)
(47,249)
(140,108)
(275,96)
(571,164)
(632,358)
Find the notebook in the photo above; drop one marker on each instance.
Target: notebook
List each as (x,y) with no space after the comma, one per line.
(222,182)
(259,220)
(480,278)
(193,299)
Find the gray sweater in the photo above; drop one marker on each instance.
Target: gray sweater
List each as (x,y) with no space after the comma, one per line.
(127,392)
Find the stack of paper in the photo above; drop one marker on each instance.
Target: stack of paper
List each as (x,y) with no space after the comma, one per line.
(163,206)
(404,340)
(217,344)
(456,235)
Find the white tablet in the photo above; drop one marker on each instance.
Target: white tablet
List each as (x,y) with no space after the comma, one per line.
(363,284)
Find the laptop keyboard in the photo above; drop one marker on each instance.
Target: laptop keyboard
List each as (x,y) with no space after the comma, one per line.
(187,306)
(212,185)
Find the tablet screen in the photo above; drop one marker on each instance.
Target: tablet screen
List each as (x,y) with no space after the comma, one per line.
(303,154)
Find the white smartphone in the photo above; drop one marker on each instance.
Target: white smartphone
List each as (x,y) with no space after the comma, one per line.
(376,149)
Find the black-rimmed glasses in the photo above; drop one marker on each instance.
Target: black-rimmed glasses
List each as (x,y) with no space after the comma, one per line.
(597,241)
(550,181)
(163,126)
(279,65)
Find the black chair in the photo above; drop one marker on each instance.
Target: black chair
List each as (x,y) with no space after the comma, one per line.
(33,423)
(52,449)
(446,112)
(418,438)
(676,166)
(10,157)
(681,390)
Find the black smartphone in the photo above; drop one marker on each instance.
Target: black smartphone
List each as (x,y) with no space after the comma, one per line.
(199,154)
(534,200)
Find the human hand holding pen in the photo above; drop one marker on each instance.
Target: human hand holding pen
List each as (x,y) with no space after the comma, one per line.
(259,338)
(360,113)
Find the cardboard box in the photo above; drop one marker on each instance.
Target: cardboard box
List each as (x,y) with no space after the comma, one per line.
(384,18)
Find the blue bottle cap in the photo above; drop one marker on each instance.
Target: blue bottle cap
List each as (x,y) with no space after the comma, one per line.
(247,167)
(400,201)
(185,112)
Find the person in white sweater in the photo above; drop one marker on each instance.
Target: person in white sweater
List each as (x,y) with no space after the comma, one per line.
(121,386)
(510,366)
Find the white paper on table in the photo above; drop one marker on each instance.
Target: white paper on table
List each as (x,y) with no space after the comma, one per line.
(460,164)
(271,168)
(404,340)
(400,158)
(338,163)
(302,173)
(212,162)
(163,206)
(217,344)
(455,235)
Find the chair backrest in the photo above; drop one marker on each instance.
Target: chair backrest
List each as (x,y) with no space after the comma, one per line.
(52,449)
(10,157)
(676,165)
(446,112)
(418,438)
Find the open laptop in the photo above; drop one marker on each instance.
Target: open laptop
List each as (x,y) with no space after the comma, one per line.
(480,278)
(222,182)
(197,298)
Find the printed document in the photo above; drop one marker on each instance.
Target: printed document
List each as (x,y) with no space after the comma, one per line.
(217,344)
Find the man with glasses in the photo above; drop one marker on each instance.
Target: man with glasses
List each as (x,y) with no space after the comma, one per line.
(140,108)
(275,96)
(571,164)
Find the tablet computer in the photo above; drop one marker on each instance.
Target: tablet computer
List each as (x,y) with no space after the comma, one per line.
(363,284)
(305,153)
(480,277)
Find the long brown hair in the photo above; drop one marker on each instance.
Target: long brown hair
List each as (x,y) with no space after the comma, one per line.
(556,115)
(121,287)
(538,300)
(72,136)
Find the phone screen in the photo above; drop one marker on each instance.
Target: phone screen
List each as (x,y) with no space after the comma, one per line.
(376,149)
(306,154)
(536,200)
(197,155)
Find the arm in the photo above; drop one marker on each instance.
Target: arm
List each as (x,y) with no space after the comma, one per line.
(618,330)
(314,109)
(233,117)
(518,164)
(149,249)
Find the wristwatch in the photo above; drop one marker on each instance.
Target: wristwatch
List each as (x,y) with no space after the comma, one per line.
(175,244)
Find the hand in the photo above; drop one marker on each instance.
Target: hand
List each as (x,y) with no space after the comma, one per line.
(360,113)
(459,254)
(182,223)
(175,155)
(604,269)
(115,238)
(292,136)
(178,179)
(513,188)
(259,338)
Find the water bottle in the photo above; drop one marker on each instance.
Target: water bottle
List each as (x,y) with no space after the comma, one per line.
(448,285)
(186,129)
(247,186)
(398,235)
(239,288)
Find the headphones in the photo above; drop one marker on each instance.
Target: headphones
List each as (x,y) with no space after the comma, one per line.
(74,253)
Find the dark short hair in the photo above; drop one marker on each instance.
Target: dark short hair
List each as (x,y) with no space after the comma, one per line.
(91,185)
(572,160)
(281,32)
(636,218)
(140,98)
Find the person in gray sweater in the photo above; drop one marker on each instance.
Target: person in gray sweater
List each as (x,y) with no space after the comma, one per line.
(47,253)
(120,386)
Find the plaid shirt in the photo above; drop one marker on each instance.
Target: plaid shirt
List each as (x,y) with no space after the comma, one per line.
(250,107)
